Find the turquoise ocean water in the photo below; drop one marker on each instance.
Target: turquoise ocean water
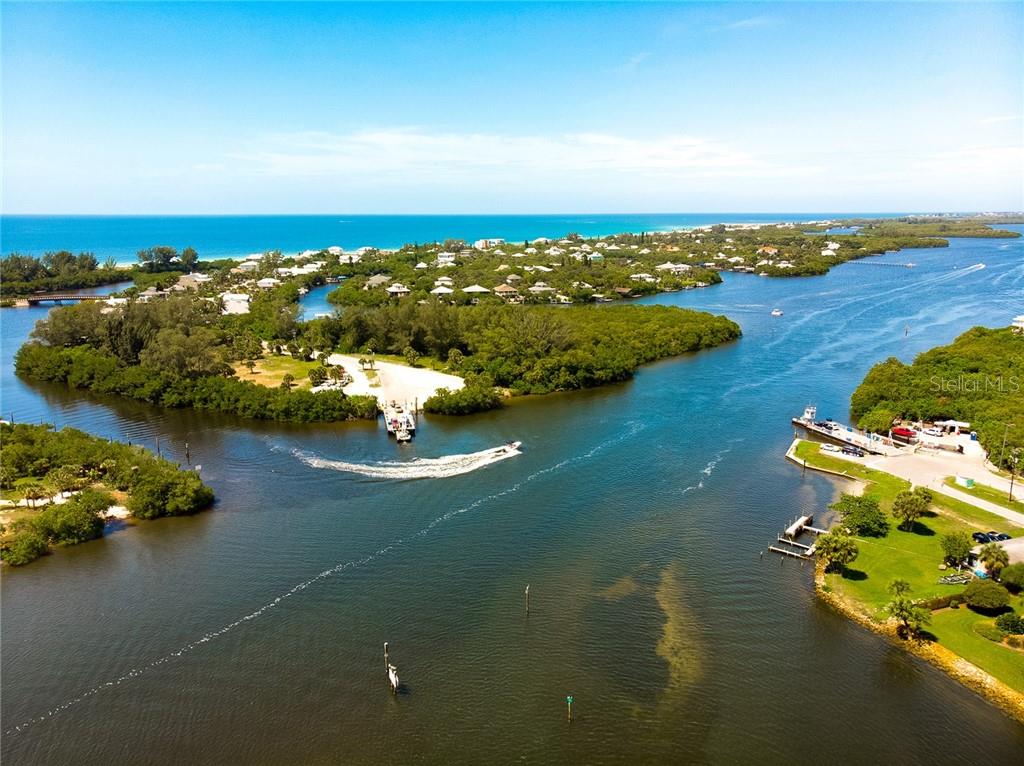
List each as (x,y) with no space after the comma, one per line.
(232,236)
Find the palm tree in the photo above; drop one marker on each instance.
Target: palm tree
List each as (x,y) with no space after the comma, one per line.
(994,557)
(34,492)
(287,380)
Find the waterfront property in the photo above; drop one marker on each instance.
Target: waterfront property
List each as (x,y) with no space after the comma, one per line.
(917,557)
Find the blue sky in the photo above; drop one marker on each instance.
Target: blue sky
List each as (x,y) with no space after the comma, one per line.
(435,108)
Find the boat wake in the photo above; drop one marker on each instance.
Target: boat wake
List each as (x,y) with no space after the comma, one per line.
(706,471)
(418,468)
(336,570)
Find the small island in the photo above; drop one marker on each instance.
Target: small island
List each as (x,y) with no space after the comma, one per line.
(62,488)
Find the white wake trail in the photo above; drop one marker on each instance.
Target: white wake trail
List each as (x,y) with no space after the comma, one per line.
(340,568)
(417,468)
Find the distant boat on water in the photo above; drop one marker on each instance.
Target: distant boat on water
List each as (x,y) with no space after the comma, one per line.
(776,312)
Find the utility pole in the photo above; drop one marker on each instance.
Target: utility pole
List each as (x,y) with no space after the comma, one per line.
(1002,453)
(1014,458)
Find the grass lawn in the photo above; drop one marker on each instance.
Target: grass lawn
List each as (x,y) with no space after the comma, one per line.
(915,556)
(881,486)
(954,629)
(990,494)
(270,370)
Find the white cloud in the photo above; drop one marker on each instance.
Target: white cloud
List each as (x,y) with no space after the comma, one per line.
(415,154)
(753,22)
(635,61)
(1000,119)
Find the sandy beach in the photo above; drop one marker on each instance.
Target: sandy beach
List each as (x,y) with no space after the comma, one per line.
(394,382)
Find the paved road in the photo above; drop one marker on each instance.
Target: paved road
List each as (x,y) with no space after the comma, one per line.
(930,470)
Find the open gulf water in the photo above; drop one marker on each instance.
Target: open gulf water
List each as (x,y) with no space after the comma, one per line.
(234,236)
(636,513)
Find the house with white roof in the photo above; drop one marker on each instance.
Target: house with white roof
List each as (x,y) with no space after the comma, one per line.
(475,290)
(487,244)
(541,287)
(442,290)
(247,266)
(268,282)
(642,277)
(445,281)
(398,290)
(235,303)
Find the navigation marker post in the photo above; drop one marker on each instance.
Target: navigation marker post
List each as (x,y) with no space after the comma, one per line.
(568,701)
(527,599)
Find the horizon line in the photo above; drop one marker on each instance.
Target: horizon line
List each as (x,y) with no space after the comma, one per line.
(513,215)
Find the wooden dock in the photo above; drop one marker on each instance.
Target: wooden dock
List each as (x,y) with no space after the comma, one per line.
(788,544)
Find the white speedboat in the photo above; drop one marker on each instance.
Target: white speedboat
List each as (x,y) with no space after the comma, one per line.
(403,436)
(776,312)
(510,447)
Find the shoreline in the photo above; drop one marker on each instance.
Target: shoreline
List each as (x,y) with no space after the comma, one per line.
(974,678)
(129,258)
(960,669)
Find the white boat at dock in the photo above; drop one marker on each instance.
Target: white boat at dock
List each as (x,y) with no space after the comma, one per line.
(400,418)
(840,433)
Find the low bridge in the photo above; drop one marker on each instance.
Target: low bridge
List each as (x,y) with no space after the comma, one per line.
(62,298)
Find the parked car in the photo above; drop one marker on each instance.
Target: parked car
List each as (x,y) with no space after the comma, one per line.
(933,431)
(830,448)
(855,451)
(904,433)
(1001,536)
(981,538)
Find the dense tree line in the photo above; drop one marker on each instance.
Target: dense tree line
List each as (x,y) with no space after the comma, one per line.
(175,352)
(73,461)
(528,349)
(61,270)
(979,378)
(101,372)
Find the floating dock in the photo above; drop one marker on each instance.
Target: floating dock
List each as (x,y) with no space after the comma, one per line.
(840,433)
